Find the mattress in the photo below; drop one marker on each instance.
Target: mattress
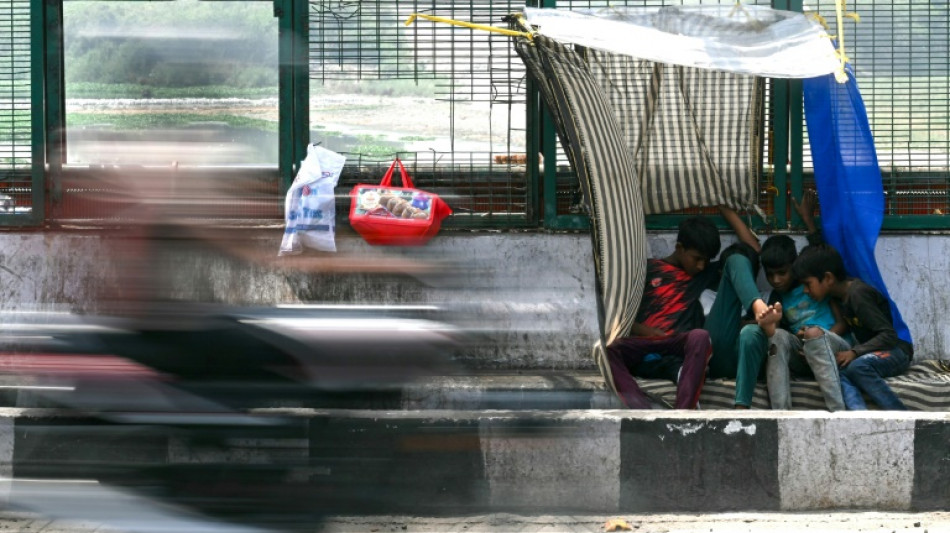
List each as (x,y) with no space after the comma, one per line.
(924,387)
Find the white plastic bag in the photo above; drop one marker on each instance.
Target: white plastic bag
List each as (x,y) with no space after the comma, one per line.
(310,208)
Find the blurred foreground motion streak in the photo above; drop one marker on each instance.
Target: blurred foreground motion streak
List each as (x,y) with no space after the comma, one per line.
(154,411)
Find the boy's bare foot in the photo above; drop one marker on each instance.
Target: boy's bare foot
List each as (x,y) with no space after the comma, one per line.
(768,320)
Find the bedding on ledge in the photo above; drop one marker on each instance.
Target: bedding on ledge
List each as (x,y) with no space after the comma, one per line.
(924,387)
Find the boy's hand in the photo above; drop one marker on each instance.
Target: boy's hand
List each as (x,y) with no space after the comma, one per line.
(652,332)
(806,208)
(845,357)
(642,330)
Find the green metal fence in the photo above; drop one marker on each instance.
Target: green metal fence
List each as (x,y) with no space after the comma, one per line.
(900,51)
(456,97)
(16,171)
(456,106)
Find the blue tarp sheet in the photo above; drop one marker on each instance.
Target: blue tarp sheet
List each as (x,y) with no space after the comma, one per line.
(848,178)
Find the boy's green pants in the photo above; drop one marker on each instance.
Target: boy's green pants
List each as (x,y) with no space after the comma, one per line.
(737,291)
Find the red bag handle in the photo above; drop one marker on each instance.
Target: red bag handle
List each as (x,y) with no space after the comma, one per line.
(388,176)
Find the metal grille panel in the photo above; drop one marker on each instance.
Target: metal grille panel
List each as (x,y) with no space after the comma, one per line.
(901,56)
(471,141)
(15,118)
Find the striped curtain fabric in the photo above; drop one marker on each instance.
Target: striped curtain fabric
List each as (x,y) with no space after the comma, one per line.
(694,134)
(530,55)
(593,141)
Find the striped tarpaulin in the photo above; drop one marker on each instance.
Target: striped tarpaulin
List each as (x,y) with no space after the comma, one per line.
(694,134)
(593,142)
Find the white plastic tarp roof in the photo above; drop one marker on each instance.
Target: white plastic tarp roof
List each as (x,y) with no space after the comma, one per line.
(754,40)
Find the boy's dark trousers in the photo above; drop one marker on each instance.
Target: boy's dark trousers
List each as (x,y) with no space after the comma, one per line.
(690,351)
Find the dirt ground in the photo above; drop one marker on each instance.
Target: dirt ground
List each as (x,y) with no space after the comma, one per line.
(828,522)
(832,522)
(418,124)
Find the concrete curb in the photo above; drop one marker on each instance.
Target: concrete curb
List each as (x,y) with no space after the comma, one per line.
(439,462)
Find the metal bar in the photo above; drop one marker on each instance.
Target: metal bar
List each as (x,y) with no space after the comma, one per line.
(283,10)
(796,128)
(301,79)
(38,110)
(571,222)
(55,101)
(549,150)
(671,221)
(796,142)
(916,222)
(780,139)
(534,145)
(779,133)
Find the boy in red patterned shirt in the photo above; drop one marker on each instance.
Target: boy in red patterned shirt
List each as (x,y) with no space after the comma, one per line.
(670,325)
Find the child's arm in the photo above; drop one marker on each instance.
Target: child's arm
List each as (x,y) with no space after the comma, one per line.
(742,230)
(869,308)
(806,210)
(840,327)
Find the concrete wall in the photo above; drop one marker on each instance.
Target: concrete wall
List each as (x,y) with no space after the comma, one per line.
(531,295)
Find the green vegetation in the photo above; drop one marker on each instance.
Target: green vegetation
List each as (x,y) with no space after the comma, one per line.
(133,90)
(156,44)
(143,121)
(392,88)
(374,150)
(200,49)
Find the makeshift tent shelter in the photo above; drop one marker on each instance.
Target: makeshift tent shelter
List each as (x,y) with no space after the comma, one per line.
(658,109)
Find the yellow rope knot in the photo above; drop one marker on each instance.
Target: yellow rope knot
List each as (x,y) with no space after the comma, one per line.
(841,11)
(819,19)
(840,8)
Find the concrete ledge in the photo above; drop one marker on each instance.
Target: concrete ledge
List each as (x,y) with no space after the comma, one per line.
(922,389)
(597,461)
(512,390)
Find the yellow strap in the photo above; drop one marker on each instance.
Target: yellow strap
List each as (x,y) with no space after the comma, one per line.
(824,23)
(841,11)
(493,29)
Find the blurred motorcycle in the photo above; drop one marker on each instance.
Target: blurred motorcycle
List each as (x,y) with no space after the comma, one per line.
(167,419)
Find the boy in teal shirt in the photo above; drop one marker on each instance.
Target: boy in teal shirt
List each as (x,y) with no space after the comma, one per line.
(784,347)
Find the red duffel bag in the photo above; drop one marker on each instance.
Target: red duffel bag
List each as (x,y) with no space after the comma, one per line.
(402,216)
